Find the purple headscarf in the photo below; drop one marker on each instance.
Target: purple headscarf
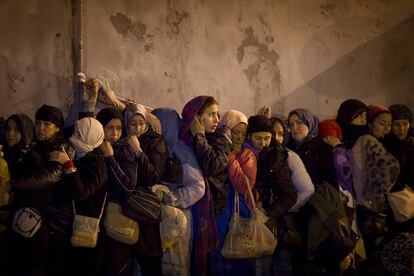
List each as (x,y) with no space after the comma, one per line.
(190,110)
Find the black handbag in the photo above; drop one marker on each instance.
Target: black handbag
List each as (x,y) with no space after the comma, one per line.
(143,206)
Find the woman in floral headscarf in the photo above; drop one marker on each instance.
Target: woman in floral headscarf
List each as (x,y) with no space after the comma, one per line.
(211,147)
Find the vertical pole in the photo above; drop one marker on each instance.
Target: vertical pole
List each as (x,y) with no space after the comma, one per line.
(77,53)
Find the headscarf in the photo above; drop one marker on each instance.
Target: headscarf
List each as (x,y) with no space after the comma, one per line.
(397,255)
(107,114)
(286,134)
(330,128)
(374,110)
(91,136)
(190,110)
(348,111)
(232,118)
(309,119)
(24,126)
(51,114)
(133,109)
(171,123)
(13,154)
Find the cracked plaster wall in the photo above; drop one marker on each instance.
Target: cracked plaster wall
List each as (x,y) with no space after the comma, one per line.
(283,53)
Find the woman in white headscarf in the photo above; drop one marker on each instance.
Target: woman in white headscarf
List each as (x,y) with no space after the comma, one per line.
(85,179)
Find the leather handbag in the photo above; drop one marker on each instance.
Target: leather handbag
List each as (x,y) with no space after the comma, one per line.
(402,204)
(143,206)
(248,237)
(85,229)
(118,226)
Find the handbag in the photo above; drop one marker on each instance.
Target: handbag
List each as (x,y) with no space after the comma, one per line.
(118,226)
(141,204)
(248,237)
(85,229)
(402,204)
(172,227)
(27,222)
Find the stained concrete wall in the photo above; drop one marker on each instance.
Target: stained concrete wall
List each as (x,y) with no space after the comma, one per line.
(283,53)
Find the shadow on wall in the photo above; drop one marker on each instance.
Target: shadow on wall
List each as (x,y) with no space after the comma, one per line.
(382,66)
(24,88)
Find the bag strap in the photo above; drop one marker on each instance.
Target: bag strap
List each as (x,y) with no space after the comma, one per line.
(102,209)
(236,205)
(249,191)
(119,181)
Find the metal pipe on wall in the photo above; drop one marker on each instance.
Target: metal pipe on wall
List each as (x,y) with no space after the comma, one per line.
(77,50)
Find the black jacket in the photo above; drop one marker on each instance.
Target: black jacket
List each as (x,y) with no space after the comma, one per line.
(274,181)
(151,166)
(212,154)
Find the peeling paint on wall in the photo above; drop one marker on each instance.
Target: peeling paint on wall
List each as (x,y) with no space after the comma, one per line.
(261,68)
(175,17)
(130,29)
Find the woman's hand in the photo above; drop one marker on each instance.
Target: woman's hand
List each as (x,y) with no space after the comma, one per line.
(265,111)
(154,122)
(107,149)
(332,140)
(135,145)
(59,156)
(197,126)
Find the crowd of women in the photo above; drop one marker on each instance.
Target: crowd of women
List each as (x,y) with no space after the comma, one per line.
(324,187)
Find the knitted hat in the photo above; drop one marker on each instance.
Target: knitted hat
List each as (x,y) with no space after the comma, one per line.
(374,110)
(330,128)
(259,123)
(107,114)
(50,114)
(401,112)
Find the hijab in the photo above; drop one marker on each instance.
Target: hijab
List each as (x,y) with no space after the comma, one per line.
(133,109)
(232,118)
(190,110)
(310,120)
(171,123)
(347,112)
(91,136)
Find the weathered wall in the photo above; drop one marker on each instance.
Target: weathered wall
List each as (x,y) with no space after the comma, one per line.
(35,55)
(285,53)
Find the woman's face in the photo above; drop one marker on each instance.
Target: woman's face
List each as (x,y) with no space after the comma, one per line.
(360,120)
(13,134)
(400,128)
(45,130)
(210,118)
(137,125)
(279,132)
(381,125)
(113,130)
(260,140)
(298,129)
(238,133)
